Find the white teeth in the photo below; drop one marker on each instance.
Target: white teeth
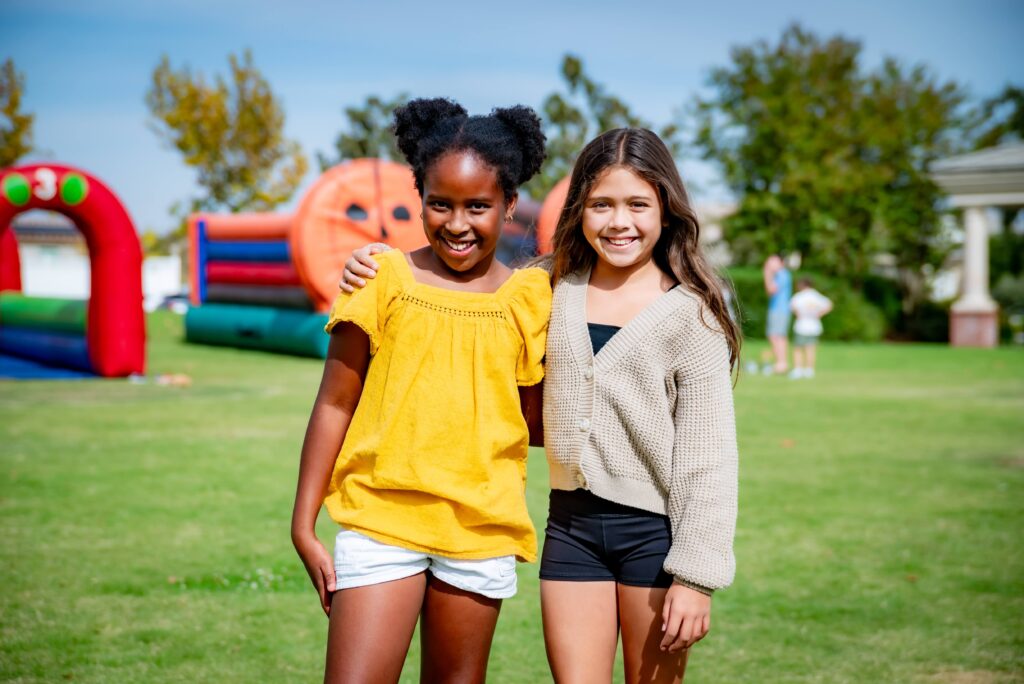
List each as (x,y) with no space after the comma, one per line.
(459,246)
(620,242)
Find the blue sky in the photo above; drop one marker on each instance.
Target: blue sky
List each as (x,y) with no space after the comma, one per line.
(88,64)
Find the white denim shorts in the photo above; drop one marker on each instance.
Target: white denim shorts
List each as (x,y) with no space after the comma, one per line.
(360,561)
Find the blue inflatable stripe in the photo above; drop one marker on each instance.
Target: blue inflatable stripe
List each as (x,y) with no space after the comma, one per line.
(54,349)
(276,252)
(17,368)
(201,259)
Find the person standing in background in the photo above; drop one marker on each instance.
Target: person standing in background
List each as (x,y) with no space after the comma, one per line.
(778,283)
(810,306)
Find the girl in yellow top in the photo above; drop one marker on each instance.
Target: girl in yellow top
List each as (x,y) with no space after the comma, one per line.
(417,441)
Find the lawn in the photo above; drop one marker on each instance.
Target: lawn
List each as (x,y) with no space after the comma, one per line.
(145,527)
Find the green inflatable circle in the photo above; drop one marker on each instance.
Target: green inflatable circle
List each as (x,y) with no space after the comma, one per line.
(17,189)
(73,189)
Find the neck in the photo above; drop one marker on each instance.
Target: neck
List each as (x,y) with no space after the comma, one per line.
(608,277)
(481,269)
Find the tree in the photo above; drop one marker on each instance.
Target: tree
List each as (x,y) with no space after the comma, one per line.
(231,132)
(15,125)
(1004,116)
(368,134)
(828,159)
(583,111)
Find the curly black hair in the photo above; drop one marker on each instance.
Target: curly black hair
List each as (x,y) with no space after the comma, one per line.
(510,139)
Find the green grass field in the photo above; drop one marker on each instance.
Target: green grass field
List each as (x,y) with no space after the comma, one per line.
(145,527)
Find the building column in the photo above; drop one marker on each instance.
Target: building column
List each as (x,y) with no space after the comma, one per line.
(974,319)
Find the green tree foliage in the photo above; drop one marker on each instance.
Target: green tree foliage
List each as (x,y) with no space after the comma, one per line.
(829,159)
(15,124)
(232,132)
(1004,115)
(574,116)
(368,134)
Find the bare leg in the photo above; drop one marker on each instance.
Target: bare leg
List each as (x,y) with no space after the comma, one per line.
(798,357)
(779,349)
(811,353)
(370,631)
(640,613)
(456,634)
(580,630)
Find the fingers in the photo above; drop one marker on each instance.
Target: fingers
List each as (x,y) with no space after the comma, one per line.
(681,629)
(685,636)
(325,586)
(361,268)
(672,622)
(701,628)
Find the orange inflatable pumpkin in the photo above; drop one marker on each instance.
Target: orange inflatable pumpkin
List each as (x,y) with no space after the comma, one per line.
(549,213)
(359,201)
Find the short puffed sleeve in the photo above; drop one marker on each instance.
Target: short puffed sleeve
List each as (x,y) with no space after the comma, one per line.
(367,307)
(530,307)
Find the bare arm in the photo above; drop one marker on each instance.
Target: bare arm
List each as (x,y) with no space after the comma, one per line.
(532,401)
(769,279)
(348,356)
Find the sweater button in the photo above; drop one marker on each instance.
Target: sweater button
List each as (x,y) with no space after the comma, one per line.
(589,372)
(584,425)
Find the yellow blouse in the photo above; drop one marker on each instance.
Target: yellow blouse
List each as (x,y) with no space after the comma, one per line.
(435,456)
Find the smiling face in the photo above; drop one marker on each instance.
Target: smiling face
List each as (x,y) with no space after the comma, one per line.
(463,210)
(622,219)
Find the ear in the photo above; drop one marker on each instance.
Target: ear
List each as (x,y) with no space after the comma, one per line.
(510,207)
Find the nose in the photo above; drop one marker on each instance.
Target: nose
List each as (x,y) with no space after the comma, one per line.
(458,224)
(619,218)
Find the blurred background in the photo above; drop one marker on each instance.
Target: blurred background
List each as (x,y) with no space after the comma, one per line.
(876,146)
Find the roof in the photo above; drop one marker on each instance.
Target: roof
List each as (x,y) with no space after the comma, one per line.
(1003,158)
(992,176)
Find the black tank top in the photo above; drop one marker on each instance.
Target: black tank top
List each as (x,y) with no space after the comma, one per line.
(600,334)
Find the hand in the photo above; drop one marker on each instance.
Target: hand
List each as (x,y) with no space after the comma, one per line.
(320,567)
(360,265)
(685,618)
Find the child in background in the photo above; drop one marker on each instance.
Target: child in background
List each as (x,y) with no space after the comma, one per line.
(638,419)
(417,442)
(809,306)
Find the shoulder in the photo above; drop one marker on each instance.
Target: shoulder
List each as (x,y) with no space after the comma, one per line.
(530,280)
(391,260)
(703,342)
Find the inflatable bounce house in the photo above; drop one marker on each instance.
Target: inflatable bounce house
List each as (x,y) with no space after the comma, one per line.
(47,337)
(550,210)
(267,281)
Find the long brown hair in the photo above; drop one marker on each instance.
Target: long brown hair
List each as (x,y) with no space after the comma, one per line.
(678,251)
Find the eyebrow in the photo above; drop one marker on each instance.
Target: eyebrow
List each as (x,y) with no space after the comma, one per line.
(628,199)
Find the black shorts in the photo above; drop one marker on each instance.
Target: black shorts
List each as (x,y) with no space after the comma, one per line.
(590,539)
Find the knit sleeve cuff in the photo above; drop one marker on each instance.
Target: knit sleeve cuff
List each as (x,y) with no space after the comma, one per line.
(695,587)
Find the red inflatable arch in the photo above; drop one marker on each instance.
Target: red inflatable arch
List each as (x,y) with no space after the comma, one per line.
(115,328)
(10,263)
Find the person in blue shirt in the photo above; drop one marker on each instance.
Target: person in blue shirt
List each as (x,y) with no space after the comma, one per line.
(778,282)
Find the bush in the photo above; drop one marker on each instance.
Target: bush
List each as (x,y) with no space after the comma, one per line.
(854,318)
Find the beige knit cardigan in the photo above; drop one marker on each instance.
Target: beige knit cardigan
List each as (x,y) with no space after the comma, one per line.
(648,422)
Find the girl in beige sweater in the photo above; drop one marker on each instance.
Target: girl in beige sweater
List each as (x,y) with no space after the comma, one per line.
(638,420)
